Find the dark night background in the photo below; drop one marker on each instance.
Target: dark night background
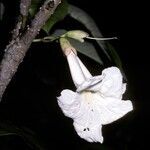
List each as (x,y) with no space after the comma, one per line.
(30,99)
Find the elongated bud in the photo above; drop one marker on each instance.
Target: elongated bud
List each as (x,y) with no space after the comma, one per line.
(66,47)
(76,34)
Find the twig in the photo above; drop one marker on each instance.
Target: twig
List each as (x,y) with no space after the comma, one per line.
(15,53)
(46,39)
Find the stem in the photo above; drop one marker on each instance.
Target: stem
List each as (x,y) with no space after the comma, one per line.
(102,39)
(46,39)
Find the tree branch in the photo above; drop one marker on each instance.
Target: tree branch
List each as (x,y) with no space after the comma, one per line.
(15,52)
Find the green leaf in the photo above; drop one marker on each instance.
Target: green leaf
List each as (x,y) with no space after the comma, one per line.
(116,58)
(58,32)
(87,49)
(59,14)
(114,55)
(2,9)
(27,135)
(35,4)
(89,23)
(5,133)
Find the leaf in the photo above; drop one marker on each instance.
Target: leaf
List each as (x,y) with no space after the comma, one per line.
(116,58)
(5,133)
(87,49)
(2,9)
(89,23)
(114,55)
(28,136)
(59,14)
(58,32)
(35,4)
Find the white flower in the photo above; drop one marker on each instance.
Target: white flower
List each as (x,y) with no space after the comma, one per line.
(97,100)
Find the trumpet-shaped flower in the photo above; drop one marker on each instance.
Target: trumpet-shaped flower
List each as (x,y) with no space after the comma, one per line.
(97,100)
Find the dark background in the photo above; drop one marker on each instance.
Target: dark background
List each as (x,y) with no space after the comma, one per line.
(30,99)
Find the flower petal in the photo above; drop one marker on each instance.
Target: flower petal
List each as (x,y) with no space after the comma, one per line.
(89,84)
(111,109)
(92,134)
(69,102)
(75,69)
(111,84)
(85,71)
